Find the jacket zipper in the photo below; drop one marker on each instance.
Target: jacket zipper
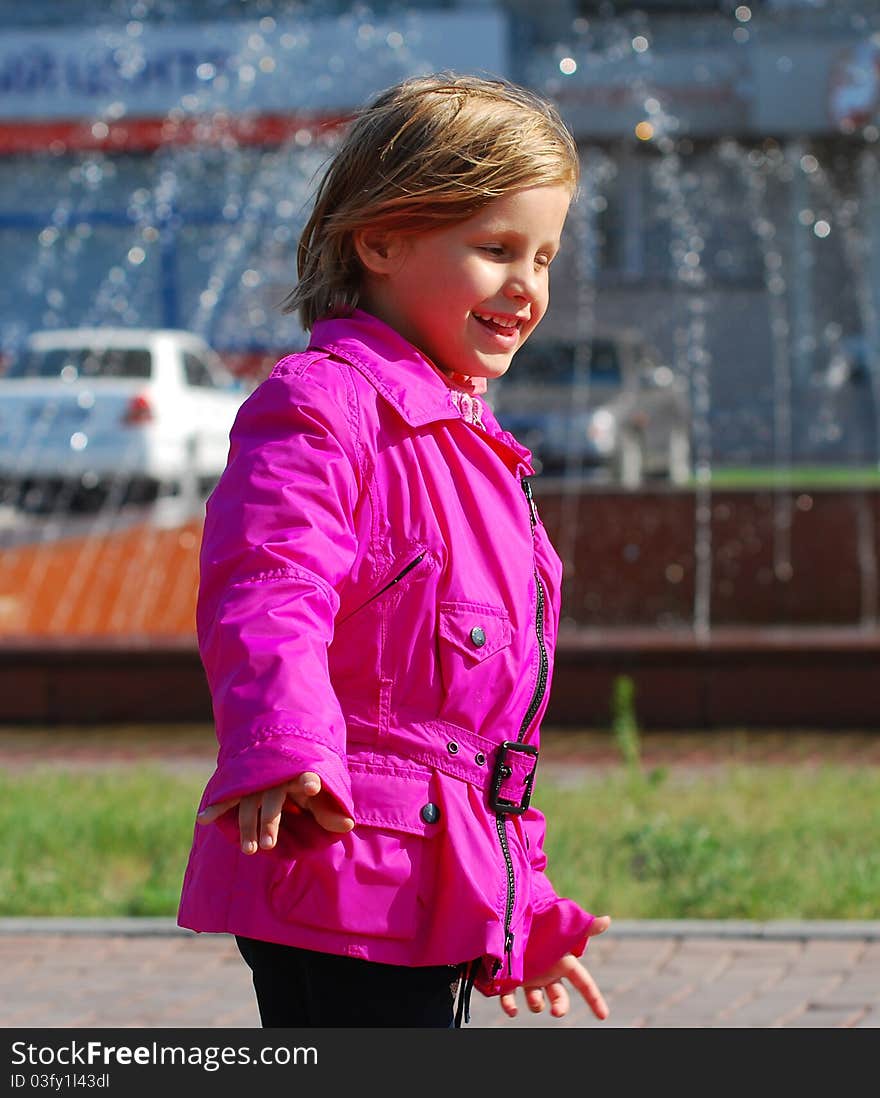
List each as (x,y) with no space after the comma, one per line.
(534,706)
(412,564)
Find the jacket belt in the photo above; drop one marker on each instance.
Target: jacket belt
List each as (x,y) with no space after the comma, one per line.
(505,774)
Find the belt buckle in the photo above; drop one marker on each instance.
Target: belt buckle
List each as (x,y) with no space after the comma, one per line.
(501,804)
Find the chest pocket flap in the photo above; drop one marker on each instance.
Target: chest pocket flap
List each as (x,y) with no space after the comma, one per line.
(476,629)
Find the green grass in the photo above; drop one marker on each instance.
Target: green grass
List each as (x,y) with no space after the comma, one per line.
(743,842)
(98,844)
(738,841)
(820,476)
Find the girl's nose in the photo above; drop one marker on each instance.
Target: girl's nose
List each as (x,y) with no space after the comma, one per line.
(522,283)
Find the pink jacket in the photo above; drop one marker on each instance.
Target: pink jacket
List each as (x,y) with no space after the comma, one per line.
(379,604)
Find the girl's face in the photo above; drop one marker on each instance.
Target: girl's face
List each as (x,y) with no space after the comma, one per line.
(469,295)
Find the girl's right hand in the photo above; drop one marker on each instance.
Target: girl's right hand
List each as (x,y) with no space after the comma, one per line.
(259,814)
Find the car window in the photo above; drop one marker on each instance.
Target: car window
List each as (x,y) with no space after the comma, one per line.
(604,363)
(556,363)
(197,372)
(80,362)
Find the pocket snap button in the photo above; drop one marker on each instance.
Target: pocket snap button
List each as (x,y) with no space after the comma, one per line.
(452,747)
(430,813)
(478,636)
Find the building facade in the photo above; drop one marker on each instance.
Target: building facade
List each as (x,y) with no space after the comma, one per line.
(157,158)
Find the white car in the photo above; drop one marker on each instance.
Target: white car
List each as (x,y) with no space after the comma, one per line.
(113,414)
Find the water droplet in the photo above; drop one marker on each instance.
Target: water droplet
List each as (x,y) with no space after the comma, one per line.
(567,66)
(79,440)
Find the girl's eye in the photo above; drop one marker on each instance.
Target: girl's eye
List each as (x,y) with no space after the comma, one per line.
(493,249)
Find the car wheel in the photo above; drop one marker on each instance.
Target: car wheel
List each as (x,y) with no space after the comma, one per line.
(679,457)
(629,462)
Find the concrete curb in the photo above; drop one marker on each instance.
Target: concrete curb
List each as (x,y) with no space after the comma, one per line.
(777,930)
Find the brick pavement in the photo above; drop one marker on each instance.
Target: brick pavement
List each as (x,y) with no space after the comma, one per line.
(146,973)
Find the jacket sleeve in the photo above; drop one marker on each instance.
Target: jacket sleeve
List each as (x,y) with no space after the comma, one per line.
(279,540)
(558,925)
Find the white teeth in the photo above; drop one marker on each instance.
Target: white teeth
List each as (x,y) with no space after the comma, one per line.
(502,322)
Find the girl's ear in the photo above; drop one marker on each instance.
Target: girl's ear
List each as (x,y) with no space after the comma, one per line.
(379,250)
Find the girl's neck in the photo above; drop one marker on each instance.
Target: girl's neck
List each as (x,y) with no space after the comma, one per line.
(466,383)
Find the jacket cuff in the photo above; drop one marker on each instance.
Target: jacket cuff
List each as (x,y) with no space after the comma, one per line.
(274,761)
(554,931)
(559,929)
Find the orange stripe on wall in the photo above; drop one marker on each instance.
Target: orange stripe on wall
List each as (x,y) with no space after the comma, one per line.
(148,134)
(139,581)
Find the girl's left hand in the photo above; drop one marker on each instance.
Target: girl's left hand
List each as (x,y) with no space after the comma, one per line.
(550,983)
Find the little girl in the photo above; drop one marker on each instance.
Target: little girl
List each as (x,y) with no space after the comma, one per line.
(379,600)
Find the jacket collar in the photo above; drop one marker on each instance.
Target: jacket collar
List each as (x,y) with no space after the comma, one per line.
(401,373)
(406,378)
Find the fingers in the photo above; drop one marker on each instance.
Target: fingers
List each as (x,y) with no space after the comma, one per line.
(213,811)
(583,982)
(259,814)
(325,809)
(308,794)
(555,992)
(270,816)
(248,812)
(559,1000)
(599,925)
(308,784)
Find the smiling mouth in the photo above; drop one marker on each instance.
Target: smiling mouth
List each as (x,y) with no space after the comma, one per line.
(501,325)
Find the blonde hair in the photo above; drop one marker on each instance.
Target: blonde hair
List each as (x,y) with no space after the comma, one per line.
(429,151)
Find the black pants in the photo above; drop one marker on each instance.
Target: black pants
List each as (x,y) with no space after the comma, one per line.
(297,987)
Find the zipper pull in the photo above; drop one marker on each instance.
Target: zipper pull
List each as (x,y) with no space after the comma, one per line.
(508,949)
(533,510)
